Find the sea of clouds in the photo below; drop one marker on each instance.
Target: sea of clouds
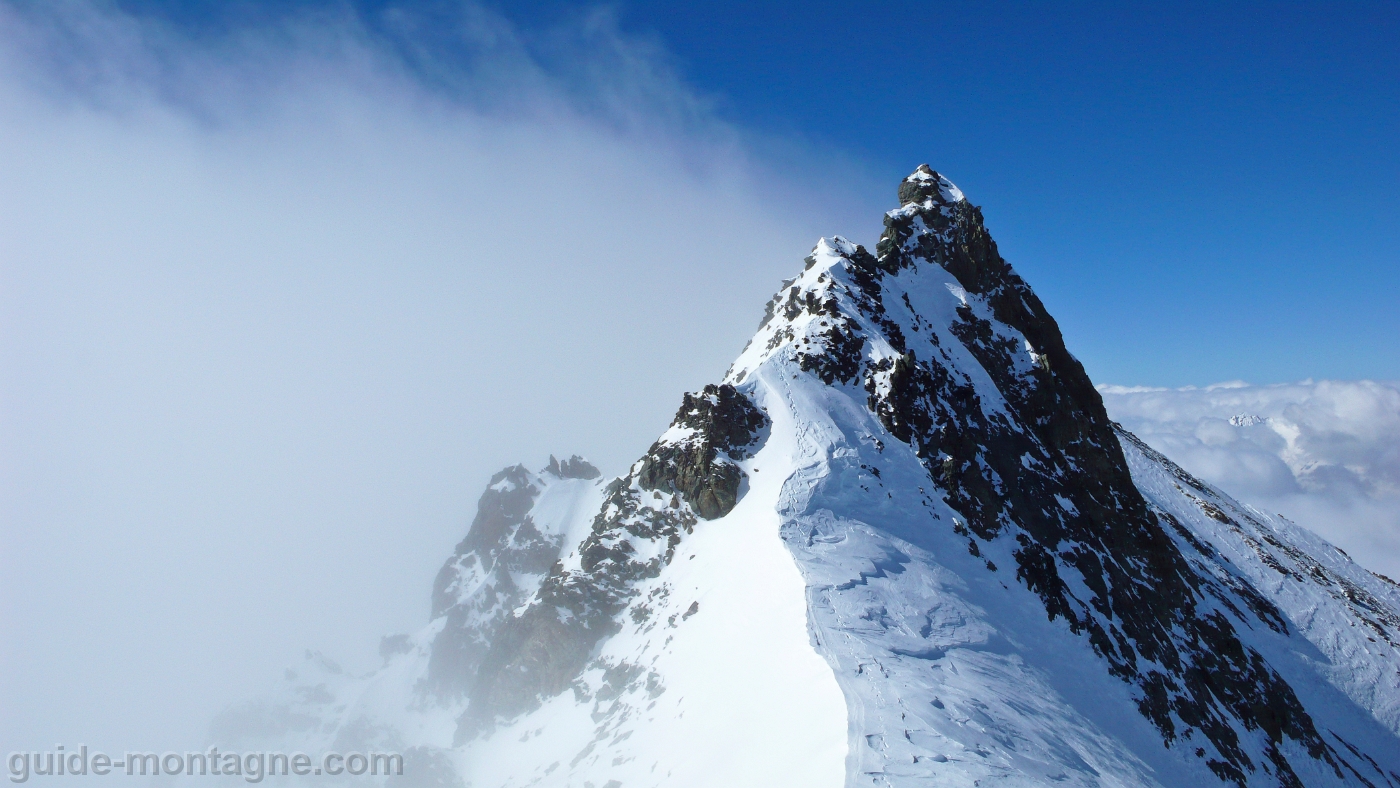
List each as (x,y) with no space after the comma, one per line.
(1325,454)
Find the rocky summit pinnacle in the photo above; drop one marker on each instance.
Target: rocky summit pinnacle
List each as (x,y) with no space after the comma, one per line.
(925,186)
(899,544)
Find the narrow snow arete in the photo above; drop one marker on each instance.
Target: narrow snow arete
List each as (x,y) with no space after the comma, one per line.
(900,544)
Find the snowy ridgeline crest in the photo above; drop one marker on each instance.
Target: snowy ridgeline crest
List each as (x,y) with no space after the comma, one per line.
(900,544)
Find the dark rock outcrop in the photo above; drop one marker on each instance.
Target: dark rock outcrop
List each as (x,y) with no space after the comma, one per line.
(575,467)
(701,467)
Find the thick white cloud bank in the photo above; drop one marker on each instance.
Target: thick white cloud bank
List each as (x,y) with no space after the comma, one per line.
(274,305)
(1325,454)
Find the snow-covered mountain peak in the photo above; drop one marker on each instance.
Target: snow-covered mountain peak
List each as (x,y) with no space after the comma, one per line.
(832,250)
(935,276)
(955,365)
(901,534)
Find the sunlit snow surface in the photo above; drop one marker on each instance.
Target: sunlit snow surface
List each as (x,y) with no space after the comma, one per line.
(734,692)
(834,629)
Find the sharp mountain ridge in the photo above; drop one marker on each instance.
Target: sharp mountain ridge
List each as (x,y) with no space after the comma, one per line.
(899,543)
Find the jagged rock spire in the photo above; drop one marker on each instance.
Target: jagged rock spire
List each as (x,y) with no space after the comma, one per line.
(925,184)
(575,467)
(936,222)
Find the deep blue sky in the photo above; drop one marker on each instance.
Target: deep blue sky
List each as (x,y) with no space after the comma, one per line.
(1199,192)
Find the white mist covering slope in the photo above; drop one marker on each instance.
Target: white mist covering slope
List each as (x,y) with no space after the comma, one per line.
(733,692)
(320,707)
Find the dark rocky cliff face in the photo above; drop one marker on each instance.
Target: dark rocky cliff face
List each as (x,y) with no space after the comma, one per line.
(1157,623)
(575,467)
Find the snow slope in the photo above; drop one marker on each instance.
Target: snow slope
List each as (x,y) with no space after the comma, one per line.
(715,683)
(1346,614)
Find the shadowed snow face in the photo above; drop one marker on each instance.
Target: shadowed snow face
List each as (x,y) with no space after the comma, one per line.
(1325,453)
